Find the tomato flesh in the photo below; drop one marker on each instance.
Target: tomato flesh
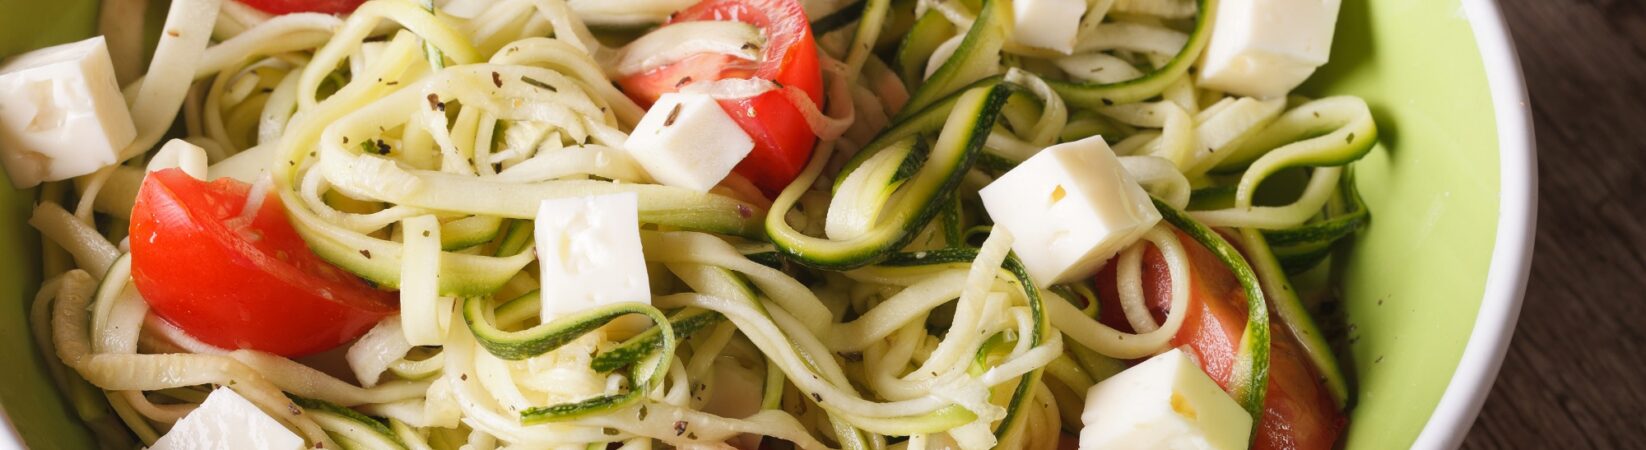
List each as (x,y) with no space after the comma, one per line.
(238,281)
(782,138)
(1298,412)
(278,7)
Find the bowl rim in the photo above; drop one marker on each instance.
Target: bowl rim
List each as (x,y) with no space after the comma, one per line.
(1511,261)
(1506,277)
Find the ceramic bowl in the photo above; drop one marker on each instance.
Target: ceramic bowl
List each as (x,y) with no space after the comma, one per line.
(1430,290)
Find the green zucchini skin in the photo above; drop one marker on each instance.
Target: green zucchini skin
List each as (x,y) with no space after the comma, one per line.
(518,345)
(963,256)
(1294,316)
(686,323)
(1302,248)
(374,435)
(984,39)
(1249,380)
(1092,95)
(929,31)
(929,191)
(925,121)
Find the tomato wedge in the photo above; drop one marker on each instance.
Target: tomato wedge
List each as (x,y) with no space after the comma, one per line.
(278,7)
(1298,412)
(782,139)
(235,281)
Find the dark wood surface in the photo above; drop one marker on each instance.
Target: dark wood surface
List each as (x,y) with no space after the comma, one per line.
(1575,376)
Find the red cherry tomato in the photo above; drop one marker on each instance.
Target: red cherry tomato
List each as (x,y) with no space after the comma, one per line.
(241,282)
(1298,412)
(782,139)
(278,7)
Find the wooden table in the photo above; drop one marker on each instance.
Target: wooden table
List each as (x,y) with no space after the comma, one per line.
(1575,376)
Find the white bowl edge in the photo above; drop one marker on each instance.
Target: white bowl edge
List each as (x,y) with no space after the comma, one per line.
(1516,231)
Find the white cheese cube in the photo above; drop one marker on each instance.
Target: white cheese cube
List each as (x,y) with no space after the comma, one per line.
(687,140)
(1047,24)
(1166,402)
(227,420)
(589,251)
(1266,48)
(61,113)
(1069,208)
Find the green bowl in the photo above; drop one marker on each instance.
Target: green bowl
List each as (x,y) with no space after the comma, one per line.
(1431,290)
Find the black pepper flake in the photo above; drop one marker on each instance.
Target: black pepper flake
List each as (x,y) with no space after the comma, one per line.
(750,46)
(642,412)
(679,427)
(268,90)
(382,147)
(436,104)
(817,397)
(1350,140)
(691,435)
(683,81)
(393,83)
(1317,114)
(313,154)
(291,163)
(497,79)
(425,233)
(345,140)
(609,431)
(365,253)
(538,84)
(1107,102)
(673,114)
(463,377)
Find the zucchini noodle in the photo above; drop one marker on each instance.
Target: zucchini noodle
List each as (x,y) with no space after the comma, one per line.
(870,305)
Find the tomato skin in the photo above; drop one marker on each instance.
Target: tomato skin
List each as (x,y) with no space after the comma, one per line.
(782,138)
(1298,412)
(238,283)
(278,7)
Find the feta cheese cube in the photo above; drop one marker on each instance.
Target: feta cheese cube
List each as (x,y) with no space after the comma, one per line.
(687,140)
(1266,48)
(1069,208)
(227,420)
(589,251)
(61,113)
(1047,24)
(1166,402)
